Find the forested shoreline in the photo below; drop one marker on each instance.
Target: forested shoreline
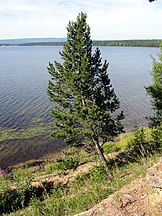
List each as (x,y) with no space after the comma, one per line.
(131,43)
(125,43)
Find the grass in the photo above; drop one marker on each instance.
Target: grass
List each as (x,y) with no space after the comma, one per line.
(118,145)
(86,190)
(71,160)
(71,197)
(80,195)
(122,142)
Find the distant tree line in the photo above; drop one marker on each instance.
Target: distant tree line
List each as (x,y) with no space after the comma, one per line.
(131,43)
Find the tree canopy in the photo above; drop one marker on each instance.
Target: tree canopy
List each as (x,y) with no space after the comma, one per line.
(80,88)
(155,90)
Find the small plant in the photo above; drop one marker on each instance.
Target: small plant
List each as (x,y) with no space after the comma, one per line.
(118,145)
(69,161)
(50,167)
(98,174)
(144,142)
(157,136)
(16,197)
(116,197)
(138,145)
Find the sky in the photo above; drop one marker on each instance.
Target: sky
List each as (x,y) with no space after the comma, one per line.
(108,19)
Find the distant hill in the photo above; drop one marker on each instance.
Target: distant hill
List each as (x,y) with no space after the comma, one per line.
(31,40)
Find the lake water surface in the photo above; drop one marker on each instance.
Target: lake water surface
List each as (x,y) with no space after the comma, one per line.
(24,79)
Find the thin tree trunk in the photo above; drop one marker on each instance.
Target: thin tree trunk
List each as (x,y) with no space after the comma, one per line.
(83,101)
(103,159)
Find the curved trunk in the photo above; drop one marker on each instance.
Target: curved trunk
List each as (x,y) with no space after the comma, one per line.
(83,101)
(103,159)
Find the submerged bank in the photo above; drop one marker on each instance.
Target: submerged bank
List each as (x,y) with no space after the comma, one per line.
(19,146)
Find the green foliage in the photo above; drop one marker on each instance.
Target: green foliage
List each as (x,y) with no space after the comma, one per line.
(50,167)
(87,190)
(13,199)
(80,88)
(77,196)
(127,43)
(155,90)
(69,161)
(116,197)
(137,146)
(144,142)
(157,136)
(98,174)
(118,145)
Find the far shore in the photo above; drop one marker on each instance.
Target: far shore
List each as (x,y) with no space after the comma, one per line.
(118,43)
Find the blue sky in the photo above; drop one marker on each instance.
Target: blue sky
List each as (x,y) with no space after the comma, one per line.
(108,19)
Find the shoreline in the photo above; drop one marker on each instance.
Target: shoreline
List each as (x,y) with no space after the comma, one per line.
(21,146)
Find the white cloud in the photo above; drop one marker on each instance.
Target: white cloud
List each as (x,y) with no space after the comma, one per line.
(108,19)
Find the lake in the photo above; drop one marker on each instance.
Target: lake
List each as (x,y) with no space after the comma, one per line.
(24,79)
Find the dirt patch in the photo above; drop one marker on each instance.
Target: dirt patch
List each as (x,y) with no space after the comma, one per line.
(61,179)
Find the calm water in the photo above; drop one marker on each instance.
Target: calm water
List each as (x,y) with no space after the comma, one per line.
(24,79)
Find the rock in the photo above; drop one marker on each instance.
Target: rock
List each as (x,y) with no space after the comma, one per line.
(126,199)
(154,175)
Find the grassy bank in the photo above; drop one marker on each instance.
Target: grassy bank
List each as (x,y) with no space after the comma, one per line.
(75,182)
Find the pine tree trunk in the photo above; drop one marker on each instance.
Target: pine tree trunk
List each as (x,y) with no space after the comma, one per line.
(83,101)
(103,159)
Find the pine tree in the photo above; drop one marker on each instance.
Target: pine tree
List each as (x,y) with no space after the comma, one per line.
(81,91)
(155,90)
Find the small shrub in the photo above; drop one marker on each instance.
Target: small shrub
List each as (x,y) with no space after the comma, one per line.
(16,198)
(70,161)
(138,145)
(118,145)
(98,174)
(145,142)
(157,137)
(50,167)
